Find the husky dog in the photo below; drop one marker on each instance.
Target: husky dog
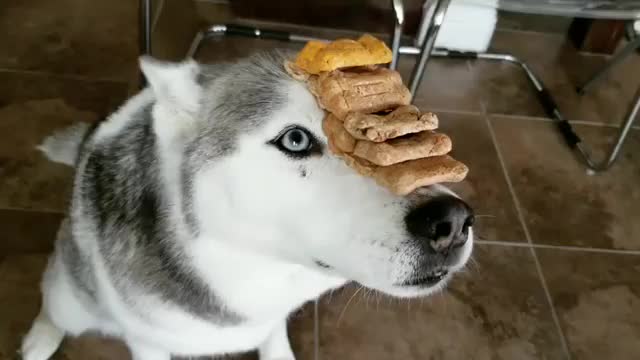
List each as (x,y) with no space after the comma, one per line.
(208,208)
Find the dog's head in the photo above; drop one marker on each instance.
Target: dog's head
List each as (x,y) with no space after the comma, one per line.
(256,173)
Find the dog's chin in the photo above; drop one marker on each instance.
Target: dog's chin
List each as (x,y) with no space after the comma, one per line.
(412,290)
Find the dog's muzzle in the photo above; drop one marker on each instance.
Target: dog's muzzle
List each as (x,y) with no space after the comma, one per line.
(441,226)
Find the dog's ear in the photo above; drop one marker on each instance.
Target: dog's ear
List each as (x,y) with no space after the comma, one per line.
(173,83)
(178,94)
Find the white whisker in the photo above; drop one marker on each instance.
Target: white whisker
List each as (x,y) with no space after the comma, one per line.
(347,305)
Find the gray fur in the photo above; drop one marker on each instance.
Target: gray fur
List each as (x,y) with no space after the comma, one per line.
(118,187)
(120,192)
(237,99)
(76,261)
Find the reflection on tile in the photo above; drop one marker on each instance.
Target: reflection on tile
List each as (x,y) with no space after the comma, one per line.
(497,310)
(561,203)
(485,188)
(27,231)
(32,108)
(597,297)
(446,85)
(96,39)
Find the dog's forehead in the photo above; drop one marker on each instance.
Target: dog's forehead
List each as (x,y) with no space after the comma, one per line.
(257,94)
(299,108)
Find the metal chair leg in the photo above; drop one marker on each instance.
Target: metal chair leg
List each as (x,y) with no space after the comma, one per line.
(428,7)
(430,40)
(145,27)
(398,10)
(551,108)
(633,111)
(145,32)
(629,49)
(247,31)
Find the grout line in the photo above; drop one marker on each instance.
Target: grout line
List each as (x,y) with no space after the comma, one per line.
(62,76)
(527,117)
(558,247)
(44,211)
(527,234)
(454,112)
(501,243)
(545,119)
(316,331)
(587,249)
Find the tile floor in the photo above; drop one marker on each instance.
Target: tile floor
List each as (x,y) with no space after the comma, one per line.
(555,275)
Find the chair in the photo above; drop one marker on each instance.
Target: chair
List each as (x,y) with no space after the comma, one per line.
(623,10)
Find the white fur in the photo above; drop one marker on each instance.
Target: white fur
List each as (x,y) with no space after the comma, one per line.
(257,243)
(63,146)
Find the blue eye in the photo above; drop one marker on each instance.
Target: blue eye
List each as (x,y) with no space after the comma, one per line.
(295,140)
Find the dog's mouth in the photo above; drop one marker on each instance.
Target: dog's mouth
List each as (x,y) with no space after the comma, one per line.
(426,280)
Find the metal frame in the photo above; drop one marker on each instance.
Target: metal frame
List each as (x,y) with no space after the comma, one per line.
(627,50)
(433,15)
(145,32)
(551,108)
(429,28)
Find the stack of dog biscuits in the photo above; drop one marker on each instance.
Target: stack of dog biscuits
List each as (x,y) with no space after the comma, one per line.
(370,122)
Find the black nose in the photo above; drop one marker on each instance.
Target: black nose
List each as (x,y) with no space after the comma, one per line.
(442,222)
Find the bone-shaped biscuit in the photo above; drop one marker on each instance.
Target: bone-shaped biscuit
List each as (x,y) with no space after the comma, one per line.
(340,141)
(318,56)
(370,91)
(378,128)
(414,146)
(411,147)
(405,177)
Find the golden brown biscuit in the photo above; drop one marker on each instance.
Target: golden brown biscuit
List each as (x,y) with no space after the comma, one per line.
(342,92)
(414,146)
(339,139)
(318,56)
(378,128)
(403,178)
(363,167)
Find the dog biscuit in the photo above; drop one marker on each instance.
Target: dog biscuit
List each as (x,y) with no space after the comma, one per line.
(338,137)
(414,146)
(378,128)
(403,178)
(363,167)
(342,92)
(318,56)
